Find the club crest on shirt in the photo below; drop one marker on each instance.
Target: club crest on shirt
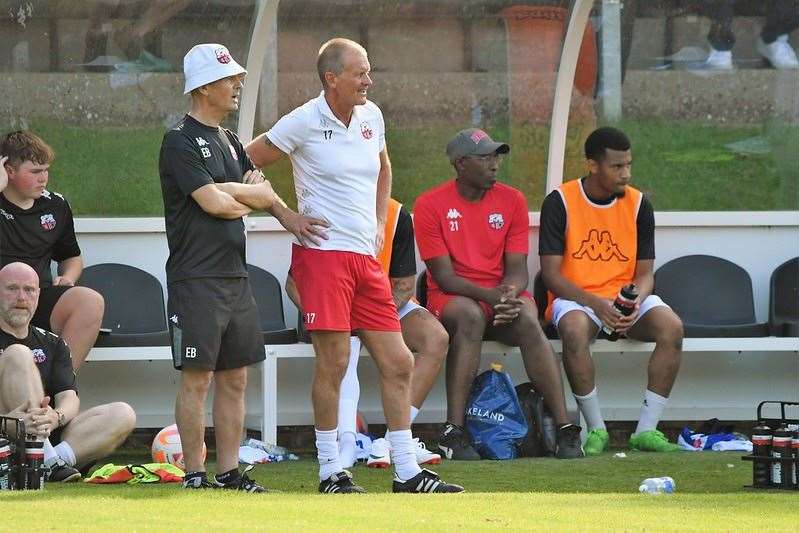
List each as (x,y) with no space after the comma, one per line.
(222,55)
(39,356)
(233,152)
(47,221)
(366,130)
(496,221)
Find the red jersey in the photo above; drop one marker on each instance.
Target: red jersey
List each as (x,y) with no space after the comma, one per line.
(475,235)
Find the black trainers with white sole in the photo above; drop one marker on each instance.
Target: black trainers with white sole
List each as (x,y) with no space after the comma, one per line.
(242,482)
(425,481)
(61,472)
(340,483)
(568,444)
(454,444)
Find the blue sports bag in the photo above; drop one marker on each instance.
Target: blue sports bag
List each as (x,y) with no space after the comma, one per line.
(494,416)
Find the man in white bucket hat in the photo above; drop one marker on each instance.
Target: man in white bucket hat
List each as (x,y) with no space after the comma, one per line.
(208,184)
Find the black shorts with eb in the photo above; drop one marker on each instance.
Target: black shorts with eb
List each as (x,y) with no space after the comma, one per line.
(213,323)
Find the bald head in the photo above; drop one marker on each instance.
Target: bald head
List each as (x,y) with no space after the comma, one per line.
(19,295)
(333,54)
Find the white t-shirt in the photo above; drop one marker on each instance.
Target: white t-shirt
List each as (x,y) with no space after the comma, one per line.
(335,169)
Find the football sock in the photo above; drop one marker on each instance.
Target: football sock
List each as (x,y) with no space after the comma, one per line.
(651,410)
(403,454)
(414,412)
(347,448)
(350,391)
(589,406)
(50,455)
(327,453)
(66,453)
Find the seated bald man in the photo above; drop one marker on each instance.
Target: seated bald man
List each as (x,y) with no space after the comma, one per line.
(37,384)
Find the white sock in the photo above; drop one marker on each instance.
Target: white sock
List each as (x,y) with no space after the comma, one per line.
(589,406)
(414,412)
(327,453)
(403,454)
(347,449)
(350,391)
(651,411)
(66,453)
(50,455)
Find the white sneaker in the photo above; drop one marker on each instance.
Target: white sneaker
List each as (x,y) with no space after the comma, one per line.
(425,456)
(379,455)
(718,60)
(779,53)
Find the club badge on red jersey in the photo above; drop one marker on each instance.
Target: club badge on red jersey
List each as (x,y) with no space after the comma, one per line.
(47,221)
(496,221)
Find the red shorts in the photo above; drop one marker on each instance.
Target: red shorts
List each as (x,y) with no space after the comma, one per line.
(436,300)
(342,291)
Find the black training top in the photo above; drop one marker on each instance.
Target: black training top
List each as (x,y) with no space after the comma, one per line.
(37,235)
(403,253)
(553,226)
(201,245)
(51,356)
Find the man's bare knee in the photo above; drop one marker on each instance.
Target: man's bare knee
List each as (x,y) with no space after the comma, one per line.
(232,381)
(465,320)
(18,358)
(575,335)
(195,380)
(670,334)
(122,417)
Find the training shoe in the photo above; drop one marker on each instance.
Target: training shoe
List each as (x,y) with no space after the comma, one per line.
(718,60)
(596,442)
(652,441)
(779,53)
(425,456)
(455,445)
(379,454)
(340,483)
(568,445)
(424,481)
(61,472)
(198,482)
(242,483)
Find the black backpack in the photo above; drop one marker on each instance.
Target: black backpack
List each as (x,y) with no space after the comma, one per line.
(541,435)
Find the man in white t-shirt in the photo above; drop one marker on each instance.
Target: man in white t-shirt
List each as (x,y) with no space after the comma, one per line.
(342,174)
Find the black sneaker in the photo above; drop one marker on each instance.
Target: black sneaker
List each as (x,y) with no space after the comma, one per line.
(425,481)
(568,444)
(340,483)
(454,444)
(61,472)
(198,482)
(242,483)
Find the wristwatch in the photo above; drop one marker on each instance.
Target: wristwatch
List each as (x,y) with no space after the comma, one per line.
(60,418)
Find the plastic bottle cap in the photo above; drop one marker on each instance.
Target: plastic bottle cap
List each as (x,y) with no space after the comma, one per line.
(496,366)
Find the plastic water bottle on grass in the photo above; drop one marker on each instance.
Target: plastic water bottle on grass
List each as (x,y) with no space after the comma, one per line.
(657,485)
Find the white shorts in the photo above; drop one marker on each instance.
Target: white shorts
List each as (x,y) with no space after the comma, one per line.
(560,307)
(407,308)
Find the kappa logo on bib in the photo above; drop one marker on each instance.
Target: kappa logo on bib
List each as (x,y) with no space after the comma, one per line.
(47,221)
(366,130)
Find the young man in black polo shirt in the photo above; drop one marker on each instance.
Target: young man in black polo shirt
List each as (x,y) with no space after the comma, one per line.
(37,384)
(208,185)
(37,228)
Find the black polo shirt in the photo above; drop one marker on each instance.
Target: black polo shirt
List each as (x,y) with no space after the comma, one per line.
(200,245)
(36,236)
(51,356)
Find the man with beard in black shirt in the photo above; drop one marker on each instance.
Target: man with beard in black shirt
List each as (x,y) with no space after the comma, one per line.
(37,228)
(208,184)
(37,384)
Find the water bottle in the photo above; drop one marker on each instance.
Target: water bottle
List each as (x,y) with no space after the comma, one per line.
(761,447)
(657,485)
(781,454)
(624,304)
(34,465)
(5,464)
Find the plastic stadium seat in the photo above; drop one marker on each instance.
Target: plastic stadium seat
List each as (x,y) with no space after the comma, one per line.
(783,315)
(269,299)
(134,305)
(712,296)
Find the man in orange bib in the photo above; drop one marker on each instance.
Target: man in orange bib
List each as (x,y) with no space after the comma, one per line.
(597,235)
